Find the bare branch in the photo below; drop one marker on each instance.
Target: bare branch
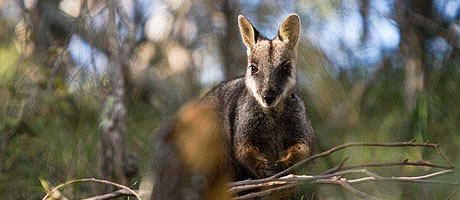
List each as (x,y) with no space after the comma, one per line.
(336,175)
(343,146)
(405,162)
(118,193)
(91,180)
(350,188)
(326,179)
(453,193)
(416,179)
(336,168)
(265,192)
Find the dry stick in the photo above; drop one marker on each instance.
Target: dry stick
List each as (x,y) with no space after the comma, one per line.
(403,163)
(118,193)
(91,180)
(373,177)
(353,190)
(439,151)
(329,179)
(453,193)
(343,146)
(376,178)
(264,192)
(289,178)
(324,179)
(292,178)
(336,168)
(237,189)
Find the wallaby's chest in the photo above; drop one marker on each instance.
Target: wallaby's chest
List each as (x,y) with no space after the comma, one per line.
(270,131)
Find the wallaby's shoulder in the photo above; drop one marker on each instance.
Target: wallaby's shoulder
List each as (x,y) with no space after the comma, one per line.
(227,89)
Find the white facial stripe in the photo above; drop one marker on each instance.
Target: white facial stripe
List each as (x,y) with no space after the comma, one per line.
(252,86)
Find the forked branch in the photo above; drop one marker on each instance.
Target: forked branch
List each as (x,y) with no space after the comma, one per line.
(337,174)
(411,143)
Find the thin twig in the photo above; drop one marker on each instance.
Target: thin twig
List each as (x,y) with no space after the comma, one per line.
(265,192)
(376,178)
(118,193)
(237,189)
(405,162)
(353,190)
(343,146)
(441,153)
(293,179)
(453,193)
(91,180)
(336,168)
(325,179)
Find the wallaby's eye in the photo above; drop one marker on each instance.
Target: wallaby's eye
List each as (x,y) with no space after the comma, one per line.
(286,68)
(253,69)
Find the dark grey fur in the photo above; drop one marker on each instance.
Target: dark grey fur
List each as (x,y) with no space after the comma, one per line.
(262,139)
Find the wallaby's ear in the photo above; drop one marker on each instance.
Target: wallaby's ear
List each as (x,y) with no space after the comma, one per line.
(289,31)
(248,32)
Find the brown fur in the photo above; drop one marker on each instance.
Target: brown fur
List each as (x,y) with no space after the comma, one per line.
(188,158)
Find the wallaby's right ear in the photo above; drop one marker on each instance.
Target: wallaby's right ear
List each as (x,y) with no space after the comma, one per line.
(248,32)
(289,31)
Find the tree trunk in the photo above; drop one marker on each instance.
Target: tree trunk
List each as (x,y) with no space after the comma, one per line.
(113,117)
(232,56)
(411,16)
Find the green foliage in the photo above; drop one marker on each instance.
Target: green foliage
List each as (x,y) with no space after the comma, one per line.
(53,135)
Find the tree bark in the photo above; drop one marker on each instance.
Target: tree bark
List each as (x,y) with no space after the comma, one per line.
(414,33)
(113,124)
(232,55)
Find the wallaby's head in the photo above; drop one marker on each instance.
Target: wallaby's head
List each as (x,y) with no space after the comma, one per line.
(271,70)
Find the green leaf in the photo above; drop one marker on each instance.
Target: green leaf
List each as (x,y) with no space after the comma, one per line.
(44,184)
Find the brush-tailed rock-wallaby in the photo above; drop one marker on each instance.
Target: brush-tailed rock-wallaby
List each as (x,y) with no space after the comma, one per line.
(264,121)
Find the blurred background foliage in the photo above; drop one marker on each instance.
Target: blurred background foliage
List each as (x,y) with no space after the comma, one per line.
(370,70)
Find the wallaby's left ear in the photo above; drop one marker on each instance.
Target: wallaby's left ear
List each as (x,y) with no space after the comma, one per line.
(249,34)
(289,31)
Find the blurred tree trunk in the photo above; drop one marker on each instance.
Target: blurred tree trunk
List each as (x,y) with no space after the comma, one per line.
(364,11)
(412,16)
(232,55)
(114,157)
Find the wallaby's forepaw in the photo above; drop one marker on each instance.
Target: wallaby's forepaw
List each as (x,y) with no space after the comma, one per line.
(292,155)
(282,165)
(266,169)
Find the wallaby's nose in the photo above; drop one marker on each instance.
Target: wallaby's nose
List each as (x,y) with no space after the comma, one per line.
(269,98)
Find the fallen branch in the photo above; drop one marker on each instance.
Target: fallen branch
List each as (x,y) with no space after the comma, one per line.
(91,180)
(343,146)
(453,194)
(338,178)
(336,175)
(353,190)
(265,192)
(386,164)
(118,193)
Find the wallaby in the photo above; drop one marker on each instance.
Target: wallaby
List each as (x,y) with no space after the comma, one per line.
(263,118)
